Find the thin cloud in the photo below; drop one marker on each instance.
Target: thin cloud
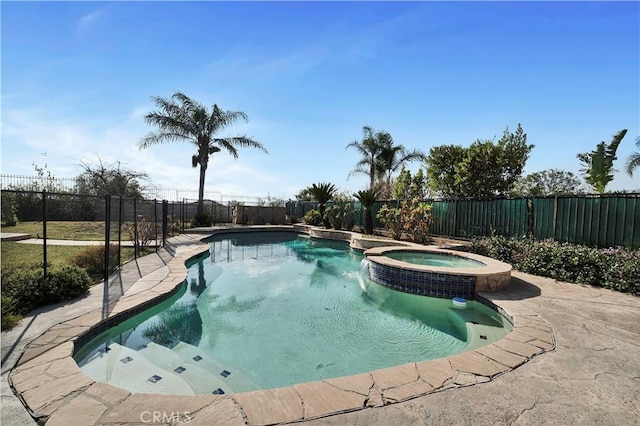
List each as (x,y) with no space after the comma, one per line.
(89,21)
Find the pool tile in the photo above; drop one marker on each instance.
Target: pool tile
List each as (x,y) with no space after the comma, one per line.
(155,378)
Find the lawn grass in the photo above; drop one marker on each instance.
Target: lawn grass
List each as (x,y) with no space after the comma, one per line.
(18,255)
(82,231)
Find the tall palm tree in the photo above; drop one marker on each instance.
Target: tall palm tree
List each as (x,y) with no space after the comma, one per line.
(598,164)
(323,193)
(367,198)
(370,147)
(181,118)
(392,157)
(634,159)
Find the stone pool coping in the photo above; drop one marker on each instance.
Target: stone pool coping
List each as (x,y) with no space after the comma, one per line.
(53,388)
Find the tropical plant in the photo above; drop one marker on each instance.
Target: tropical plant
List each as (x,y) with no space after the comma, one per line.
(369,148)
(312,217)
(304,194)
(181,118)
(341,214)
(598,164)
(418,219)
(547,182)
(322,193)
(367,198)
(414,216)
(393,219)
(393,157)
(634,159)
(380,158)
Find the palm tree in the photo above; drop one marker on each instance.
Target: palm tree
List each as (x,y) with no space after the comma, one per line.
(392,157)
(370,147)
(322,193)
(367,198)
(181,118)
(634,159)
(598,164)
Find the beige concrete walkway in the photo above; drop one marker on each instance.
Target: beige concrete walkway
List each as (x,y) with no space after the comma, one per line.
(592,377)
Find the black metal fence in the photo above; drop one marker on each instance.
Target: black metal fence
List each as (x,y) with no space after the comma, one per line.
(596,220)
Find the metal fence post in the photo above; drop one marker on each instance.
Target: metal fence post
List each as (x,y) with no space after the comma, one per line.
(135,229)
(165,220)
(107,235)
(44,234)
(155,222)
(119,230)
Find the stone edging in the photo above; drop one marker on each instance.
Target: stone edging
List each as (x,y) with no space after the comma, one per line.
(53,388)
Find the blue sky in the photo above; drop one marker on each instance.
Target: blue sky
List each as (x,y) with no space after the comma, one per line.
(78,77)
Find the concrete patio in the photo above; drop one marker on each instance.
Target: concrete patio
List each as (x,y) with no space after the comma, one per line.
(592,376)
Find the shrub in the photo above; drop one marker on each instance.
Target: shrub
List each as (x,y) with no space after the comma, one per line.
(312,217)
(26,289)
(413,216)
(341,215)
(9,209)
(418,218)
(91,259)
(9,318)
(393,219)
(202,219)
(613,268)
(142,232)
(333,216)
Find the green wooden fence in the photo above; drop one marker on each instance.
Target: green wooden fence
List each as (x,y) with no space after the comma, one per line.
(596,220)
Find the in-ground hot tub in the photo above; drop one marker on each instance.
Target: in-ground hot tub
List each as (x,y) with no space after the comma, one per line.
(436,272)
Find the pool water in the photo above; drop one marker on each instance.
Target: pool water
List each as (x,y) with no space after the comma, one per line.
(434,259)
(270,310)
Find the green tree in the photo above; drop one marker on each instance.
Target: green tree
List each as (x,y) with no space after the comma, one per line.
(367,198)
(419,188)
(634,159)
(484,170)
(442,170)
(322,193)
(407,187)
(113,179)
(402,185)
(181,118)
(547,182)
(598,164)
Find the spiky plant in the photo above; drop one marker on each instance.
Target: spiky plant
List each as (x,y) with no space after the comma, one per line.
(367,198)
(323,193)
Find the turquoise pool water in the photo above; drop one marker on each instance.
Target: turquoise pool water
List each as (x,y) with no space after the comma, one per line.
(433,259)
(270,310)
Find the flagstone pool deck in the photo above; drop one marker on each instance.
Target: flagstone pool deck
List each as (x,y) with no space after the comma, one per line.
(572,358)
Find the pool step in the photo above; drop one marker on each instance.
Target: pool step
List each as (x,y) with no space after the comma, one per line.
(129,369)
(198,377)
(234,379)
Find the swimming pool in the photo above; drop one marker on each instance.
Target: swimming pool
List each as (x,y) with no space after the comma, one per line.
(270,310)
